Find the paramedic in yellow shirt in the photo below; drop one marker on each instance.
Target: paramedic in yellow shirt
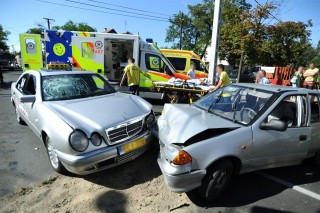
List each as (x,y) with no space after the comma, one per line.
(132,72)
(224,78)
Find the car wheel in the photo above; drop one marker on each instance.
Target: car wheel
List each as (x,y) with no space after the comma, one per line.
(216,180)
(19,119)
(53,157)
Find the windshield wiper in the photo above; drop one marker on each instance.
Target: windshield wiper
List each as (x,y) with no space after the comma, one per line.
(214,102)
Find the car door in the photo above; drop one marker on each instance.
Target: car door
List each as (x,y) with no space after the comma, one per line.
(31,108)
(314,123)
(273,148)
(17,93)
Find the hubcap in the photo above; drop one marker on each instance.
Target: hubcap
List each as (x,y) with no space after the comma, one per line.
(53,155)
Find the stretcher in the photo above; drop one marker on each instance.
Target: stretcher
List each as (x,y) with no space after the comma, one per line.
(177,90)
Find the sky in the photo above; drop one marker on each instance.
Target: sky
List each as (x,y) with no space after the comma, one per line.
(17,16)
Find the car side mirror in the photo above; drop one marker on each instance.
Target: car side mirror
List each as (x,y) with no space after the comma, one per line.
(273,124)
(28,99)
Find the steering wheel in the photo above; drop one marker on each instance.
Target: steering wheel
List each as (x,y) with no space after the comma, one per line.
(250,113)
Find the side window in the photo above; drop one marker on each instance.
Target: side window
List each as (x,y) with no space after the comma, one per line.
(154,62)
(87,50)
(30,88)
(21,83)
(286,111)
(314,105)
(197,64)
(178,63)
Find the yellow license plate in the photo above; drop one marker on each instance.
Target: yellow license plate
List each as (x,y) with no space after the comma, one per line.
(132,146)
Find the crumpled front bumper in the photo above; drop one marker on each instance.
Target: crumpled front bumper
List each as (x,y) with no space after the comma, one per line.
(103,158)
(179,182)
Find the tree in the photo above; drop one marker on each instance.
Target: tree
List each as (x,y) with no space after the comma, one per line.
(3,38)
(35,30)
(72,26)
(316,59)
(246,33)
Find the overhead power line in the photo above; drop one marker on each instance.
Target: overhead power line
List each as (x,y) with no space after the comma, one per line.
(112,9)
(268,12)
(130,8)
(93,10)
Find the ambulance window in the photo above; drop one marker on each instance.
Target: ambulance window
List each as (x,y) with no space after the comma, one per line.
(31,46)
(198,65)
(178,63)
(21,83)
(87,50)
(154,62)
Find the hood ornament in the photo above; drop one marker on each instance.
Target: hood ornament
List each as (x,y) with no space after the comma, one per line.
(125,116)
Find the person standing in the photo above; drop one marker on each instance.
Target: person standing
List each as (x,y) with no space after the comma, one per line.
(310,77)
(1,76)
(297,78)
(192,73)
(132,72)
(224,78)
(264,79)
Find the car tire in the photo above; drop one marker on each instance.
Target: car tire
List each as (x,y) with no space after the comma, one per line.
(53,157)
(18,117)
(216,180)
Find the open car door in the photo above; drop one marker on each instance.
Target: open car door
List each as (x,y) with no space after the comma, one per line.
(88,54)
(31,53)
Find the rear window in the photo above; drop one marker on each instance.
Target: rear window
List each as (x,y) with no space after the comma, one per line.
(178,63)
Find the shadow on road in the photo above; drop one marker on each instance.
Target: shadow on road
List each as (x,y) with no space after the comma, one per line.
(250,188)
(140,170)
(111,201)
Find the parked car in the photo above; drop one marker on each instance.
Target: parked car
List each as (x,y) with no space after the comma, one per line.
(234,130)
(85,125)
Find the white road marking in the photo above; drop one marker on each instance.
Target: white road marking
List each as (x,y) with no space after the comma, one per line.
(292,186)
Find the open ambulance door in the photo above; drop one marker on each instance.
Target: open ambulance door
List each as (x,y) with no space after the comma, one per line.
(31,53)
(88,54)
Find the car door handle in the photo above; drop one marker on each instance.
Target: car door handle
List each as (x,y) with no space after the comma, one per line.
(303,137)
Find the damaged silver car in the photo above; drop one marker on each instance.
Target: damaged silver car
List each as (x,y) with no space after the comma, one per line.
(85,125)
(236,129)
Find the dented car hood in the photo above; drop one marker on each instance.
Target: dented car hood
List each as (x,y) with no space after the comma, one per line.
(178,123)
(100,112)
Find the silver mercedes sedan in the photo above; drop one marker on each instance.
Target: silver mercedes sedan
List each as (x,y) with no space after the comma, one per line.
(85,125)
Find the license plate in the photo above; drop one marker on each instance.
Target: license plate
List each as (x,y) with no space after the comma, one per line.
(132,146)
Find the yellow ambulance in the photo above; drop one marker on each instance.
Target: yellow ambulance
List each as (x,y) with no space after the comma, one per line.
(182,60)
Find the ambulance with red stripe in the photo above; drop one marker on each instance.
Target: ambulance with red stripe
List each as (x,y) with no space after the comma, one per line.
(104,53)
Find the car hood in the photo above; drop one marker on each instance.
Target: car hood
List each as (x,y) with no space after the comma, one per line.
(100,112)
(178,123)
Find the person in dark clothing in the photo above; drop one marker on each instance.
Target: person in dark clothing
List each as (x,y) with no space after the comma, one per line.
(1,76)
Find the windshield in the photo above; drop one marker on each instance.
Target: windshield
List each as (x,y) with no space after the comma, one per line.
(236,103)
(73,86)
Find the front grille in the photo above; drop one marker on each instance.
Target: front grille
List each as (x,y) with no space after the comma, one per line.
(124,131)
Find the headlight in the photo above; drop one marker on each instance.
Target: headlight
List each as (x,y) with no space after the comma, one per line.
(96,139)
(182,158)
(150,118)
(78,141)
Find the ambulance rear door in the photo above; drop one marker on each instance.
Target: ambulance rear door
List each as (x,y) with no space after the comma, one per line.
(88,54)
(31,53)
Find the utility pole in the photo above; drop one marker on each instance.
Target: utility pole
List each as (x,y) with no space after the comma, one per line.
(48,21)
(215,40)
(181,22)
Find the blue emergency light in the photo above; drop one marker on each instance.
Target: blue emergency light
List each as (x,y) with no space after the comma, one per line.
(149,40)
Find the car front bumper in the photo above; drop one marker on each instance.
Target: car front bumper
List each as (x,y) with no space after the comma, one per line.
(182,182)
(103,158)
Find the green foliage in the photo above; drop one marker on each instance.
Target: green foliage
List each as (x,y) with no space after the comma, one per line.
(72,26)
(316,59)
(244,31)
(3,38)
(35,30)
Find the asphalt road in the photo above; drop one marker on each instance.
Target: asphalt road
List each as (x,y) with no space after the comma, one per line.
(23,163)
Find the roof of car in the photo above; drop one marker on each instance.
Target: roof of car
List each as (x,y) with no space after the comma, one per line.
(59,72)
(275,88)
